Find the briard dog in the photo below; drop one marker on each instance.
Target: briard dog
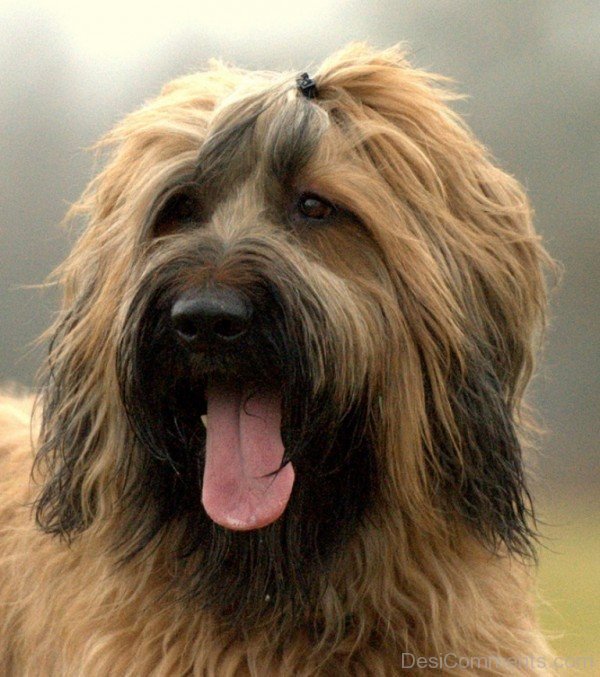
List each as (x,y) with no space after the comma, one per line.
(280,428)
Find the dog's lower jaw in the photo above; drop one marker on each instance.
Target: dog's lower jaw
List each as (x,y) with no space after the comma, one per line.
(379,605)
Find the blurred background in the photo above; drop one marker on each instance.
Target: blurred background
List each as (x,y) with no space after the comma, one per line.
(69,70)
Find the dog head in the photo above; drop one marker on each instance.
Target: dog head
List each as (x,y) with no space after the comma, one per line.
(344,287)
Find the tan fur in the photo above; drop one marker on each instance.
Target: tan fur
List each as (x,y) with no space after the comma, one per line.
(446,252)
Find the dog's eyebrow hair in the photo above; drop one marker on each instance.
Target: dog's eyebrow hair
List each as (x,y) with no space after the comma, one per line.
(225,152)
(221,154)
(288,141)
(292,138)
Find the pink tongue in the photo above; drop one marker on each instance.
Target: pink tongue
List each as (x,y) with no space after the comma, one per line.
(243,450)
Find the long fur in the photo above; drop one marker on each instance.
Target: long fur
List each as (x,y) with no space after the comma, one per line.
(403,335)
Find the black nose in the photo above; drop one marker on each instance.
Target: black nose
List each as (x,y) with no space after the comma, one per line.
(215,316)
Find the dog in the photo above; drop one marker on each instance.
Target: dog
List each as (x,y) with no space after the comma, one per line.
(281,425)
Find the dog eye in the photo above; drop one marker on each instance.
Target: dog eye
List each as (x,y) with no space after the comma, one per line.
(180,207)
(312,207)
(179,210)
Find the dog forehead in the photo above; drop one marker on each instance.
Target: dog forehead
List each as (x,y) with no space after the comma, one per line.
(274,137)
(240,207)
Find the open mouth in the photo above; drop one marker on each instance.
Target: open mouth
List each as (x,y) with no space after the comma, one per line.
(246,484)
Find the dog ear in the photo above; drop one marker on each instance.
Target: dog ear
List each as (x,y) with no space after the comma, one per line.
(70,427)
(468,268)
(503,301)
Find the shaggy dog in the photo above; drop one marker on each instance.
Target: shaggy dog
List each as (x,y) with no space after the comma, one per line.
(280,429)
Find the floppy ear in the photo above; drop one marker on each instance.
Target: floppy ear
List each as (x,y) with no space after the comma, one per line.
(81,459)
(73,423)
(499,263)
(504,301)
(468,271)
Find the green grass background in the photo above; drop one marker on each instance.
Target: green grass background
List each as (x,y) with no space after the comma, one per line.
(569,575)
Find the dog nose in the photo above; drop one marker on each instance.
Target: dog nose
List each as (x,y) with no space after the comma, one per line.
(213,316)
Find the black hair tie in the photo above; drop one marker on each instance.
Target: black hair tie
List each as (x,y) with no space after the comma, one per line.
(307,86)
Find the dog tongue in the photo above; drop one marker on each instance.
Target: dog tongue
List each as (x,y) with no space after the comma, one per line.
(243,487)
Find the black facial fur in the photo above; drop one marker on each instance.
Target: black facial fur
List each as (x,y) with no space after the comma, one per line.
(485,485)
(162,389)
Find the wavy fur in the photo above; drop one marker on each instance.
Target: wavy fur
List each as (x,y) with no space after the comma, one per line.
(404,333)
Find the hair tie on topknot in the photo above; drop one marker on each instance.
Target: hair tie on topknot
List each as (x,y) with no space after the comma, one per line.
(307,86)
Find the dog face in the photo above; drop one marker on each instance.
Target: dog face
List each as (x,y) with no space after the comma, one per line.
(345,288)
(240,312)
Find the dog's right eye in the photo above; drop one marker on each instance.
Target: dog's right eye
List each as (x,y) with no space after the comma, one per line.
(178,211)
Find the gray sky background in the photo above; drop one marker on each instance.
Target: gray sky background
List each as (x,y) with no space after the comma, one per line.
(69,71)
